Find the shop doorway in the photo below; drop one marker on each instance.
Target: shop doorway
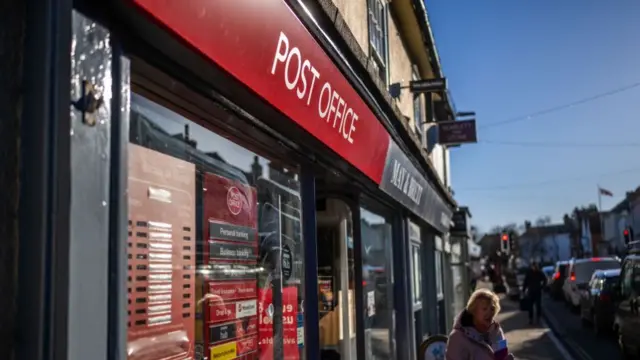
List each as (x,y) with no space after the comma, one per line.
(336,280)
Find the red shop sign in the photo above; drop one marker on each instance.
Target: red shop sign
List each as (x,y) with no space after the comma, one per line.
(265,46)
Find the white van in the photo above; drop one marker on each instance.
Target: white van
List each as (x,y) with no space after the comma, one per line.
(579,274)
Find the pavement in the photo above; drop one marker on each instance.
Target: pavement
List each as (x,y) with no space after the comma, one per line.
(528,342)
(580,340)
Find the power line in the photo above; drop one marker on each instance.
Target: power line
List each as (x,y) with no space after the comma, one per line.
(561,107)
(559,144)
(588,177)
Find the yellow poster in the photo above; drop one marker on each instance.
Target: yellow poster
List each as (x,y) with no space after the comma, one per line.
(225,351)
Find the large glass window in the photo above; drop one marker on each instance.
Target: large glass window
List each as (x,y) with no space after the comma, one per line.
(377,276)
(215,246)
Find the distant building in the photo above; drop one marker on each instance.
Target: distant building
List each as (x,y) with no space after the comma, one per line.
(545,244)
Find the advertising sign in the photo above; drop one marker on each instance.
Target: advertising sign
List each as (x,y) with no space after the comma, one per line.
(161,253)
(428,85)
(289,323)
(460,225)
(220,311)
(269,50)
(402,180)
(272,52)
(225,251)
(457,132)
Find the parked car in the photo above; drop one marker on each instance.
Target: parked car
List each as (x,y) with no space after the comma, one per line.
(557,282)
(548,272)
(597,306)
(626,318)
(580,272)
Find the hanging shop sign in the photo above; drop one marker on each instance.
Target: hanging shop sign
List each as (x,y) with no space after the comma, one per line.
(457,132)
(460,224)
(428,85)
(270,51)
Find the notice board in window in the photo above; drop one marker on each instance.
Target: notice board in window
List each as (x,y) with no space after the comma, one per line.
(230,255)
(161,256)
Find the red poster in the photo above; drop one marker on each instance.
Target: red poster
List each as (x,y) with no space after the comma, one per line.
(289,323)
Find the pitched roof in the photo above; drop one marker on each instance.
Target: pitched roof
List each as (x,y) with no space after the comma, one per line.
(546,230)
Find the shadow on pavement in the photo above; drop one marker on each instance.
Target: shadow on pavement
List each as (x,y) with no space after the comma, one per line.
(526,342)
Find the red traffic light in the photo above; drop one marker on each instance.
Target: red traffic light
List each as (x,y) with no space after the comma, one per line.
(626,232)
(505,237)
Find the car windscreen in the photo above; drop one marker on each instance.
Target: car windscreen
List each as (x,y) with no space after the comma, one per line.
(585,270)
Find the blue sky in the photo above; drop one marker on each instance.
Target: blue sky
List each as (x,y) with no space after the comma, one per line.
(506,59)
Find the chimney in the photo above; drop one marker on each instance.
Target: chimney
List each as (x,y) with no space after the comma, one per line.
(527,225)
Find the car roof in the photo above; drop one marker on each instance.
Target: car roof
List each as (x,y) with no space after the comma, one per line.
(550,267)
(563,262)
(594,259)
(607,273)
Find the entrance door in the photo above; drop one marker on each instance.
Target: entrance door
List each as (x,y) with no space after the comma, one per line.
(336,277)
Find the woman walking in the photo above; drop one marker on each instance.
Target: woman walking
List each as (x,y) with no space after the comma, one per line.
(476,335)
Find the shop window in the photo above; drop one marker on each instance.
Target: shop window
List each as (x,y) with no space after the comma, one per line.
(215,248)
(378,35)
(377,278)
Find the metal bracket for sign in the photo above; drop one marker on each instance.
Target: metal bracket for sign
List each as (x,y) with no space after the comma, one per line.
(419,86)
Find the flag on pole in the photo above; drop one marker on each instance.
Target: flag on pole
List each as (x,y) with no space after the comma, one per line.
(604,192)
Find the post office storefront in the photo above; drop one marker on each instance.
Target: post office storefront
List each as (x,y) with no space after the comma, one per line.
(231,194)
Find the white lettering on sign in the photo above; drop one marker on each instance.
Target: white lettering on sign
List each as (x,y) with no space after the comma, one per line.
(409,185)
(301,75)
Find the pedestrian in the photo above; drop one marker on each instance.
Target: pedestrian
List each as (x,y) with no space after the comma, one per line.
(534,281)
(476,335)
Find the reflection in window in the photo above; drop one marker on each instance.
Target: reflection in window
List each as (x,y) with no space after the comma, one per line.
(416,263)
(377,278)
(439,288)
(215,246)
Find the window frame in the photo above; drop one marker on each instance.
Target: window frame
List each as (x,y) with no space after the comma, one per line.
(378,46)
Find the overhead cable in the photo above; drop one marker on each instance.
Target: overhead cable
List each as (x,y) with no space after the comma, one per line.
(587,177)
(561,107)
(559,144)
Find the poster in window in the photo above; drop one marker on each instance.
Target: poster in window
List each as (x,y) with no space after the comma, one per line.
(289,323)
(161,256)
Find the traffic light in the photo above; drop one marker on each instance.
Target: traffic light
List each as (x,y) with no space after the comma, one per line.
(628,234)
(505,243)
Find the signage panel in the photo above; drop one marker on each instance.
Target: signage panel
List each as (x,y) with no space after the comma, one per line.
(402,181)
(428,85)
(457,132)
(265,46)
(230,232)
(460,224)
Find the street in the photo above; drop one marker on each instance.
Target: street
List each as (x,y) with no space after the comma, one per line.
(580,341)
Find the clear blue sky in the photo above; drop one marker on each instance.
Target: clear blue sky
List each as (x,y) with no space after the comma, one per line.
(505,59)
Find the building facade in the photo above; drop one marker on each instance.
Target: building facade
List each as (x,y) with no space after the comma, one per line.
(213,180)
(545,244)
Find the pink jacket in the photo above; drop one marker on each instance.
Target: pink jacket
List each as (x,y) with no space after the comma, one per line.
(466,343)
